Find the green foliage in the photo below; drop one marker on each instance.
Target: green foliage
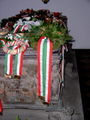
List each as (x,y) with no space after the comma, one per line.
(58,34)
(18,118)
(53,25)
(1,43)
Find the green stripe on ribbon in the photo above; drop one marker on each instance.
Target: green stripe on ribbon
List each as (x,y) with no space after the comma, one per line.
(20,29)
(44,59)
(5,63)
(15,65)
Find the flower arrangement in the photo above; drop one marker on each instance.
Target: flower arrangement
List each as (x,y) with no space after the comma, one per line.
(42,23)
(58,34)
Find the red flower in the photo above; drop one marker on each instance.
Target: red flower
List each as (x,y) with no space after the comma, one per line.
(48,20)
(56,14)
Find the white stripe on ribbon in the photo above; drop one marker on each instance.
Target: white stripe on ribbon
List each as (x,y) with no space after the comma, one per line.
(16,28)
(8,64)
(47,70)
(18,64)
(23,27)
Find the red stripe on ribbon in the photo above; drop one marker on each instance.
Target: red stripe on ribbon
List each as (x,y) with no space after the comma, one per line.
(23,28)
(49,75)
(50,69)
(4,41)
(11,69)
(21,62)
(17,28)
(38,70)
(1,106)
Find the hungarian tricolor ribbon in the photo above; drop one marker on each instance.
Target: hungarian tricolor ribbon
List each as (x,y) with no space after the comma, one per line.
(44,54)
(17,66)
(20,28)
(18,63)
(16,28)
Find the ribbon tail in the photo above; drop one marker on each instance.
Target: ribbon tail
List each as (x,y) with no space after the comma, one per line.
(1,107)
(44,68)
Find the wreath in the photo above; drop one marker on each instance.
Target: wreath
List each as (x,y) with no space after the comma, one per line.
(15,47)
(56,32)
(53,25)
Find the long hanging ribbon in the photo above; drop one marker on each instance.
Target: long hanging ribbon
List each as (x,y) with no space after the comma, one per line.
(1,107)
(44,68)
(17,66)
(62,62)
(8,64)
(18,63)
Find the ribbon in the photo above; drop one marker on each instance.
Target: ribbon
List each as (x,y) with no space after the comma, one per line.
(8,64)
(62,63)
(18,64)
(44,68)
(1,107)
(20,28)
(16,28)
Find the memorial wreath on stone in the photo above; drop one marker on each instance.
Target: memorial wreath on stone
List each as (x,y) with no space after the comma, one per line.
(42,30)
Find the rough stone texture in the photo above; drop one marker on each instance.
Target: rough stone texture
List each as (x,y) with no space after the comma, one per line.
(63,114)
(25,91)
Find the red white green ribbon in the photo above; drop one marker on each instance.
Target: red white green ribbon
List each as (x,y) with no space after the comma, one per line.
(23,27)
(8,64)
(16,28)
(15,47)
(18,64)
(18,37)
(44,68)
(20,28)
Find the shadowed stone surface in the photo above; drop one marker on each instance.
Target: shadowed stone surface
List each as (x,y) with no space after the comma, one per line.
(24,92)
(25,89)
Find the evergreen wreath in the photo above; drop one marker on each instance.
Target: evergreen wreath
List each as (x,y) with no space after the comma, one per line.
(53,25)
(57,33)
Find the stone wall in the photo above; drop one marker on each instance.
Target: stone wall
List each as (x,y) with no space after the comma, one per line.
(24,90)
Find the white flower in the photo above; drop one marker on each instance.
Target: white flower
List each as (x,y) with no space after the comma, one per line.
(9,36)
(37,23)
(33,23)
(26,18)
(19,22)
